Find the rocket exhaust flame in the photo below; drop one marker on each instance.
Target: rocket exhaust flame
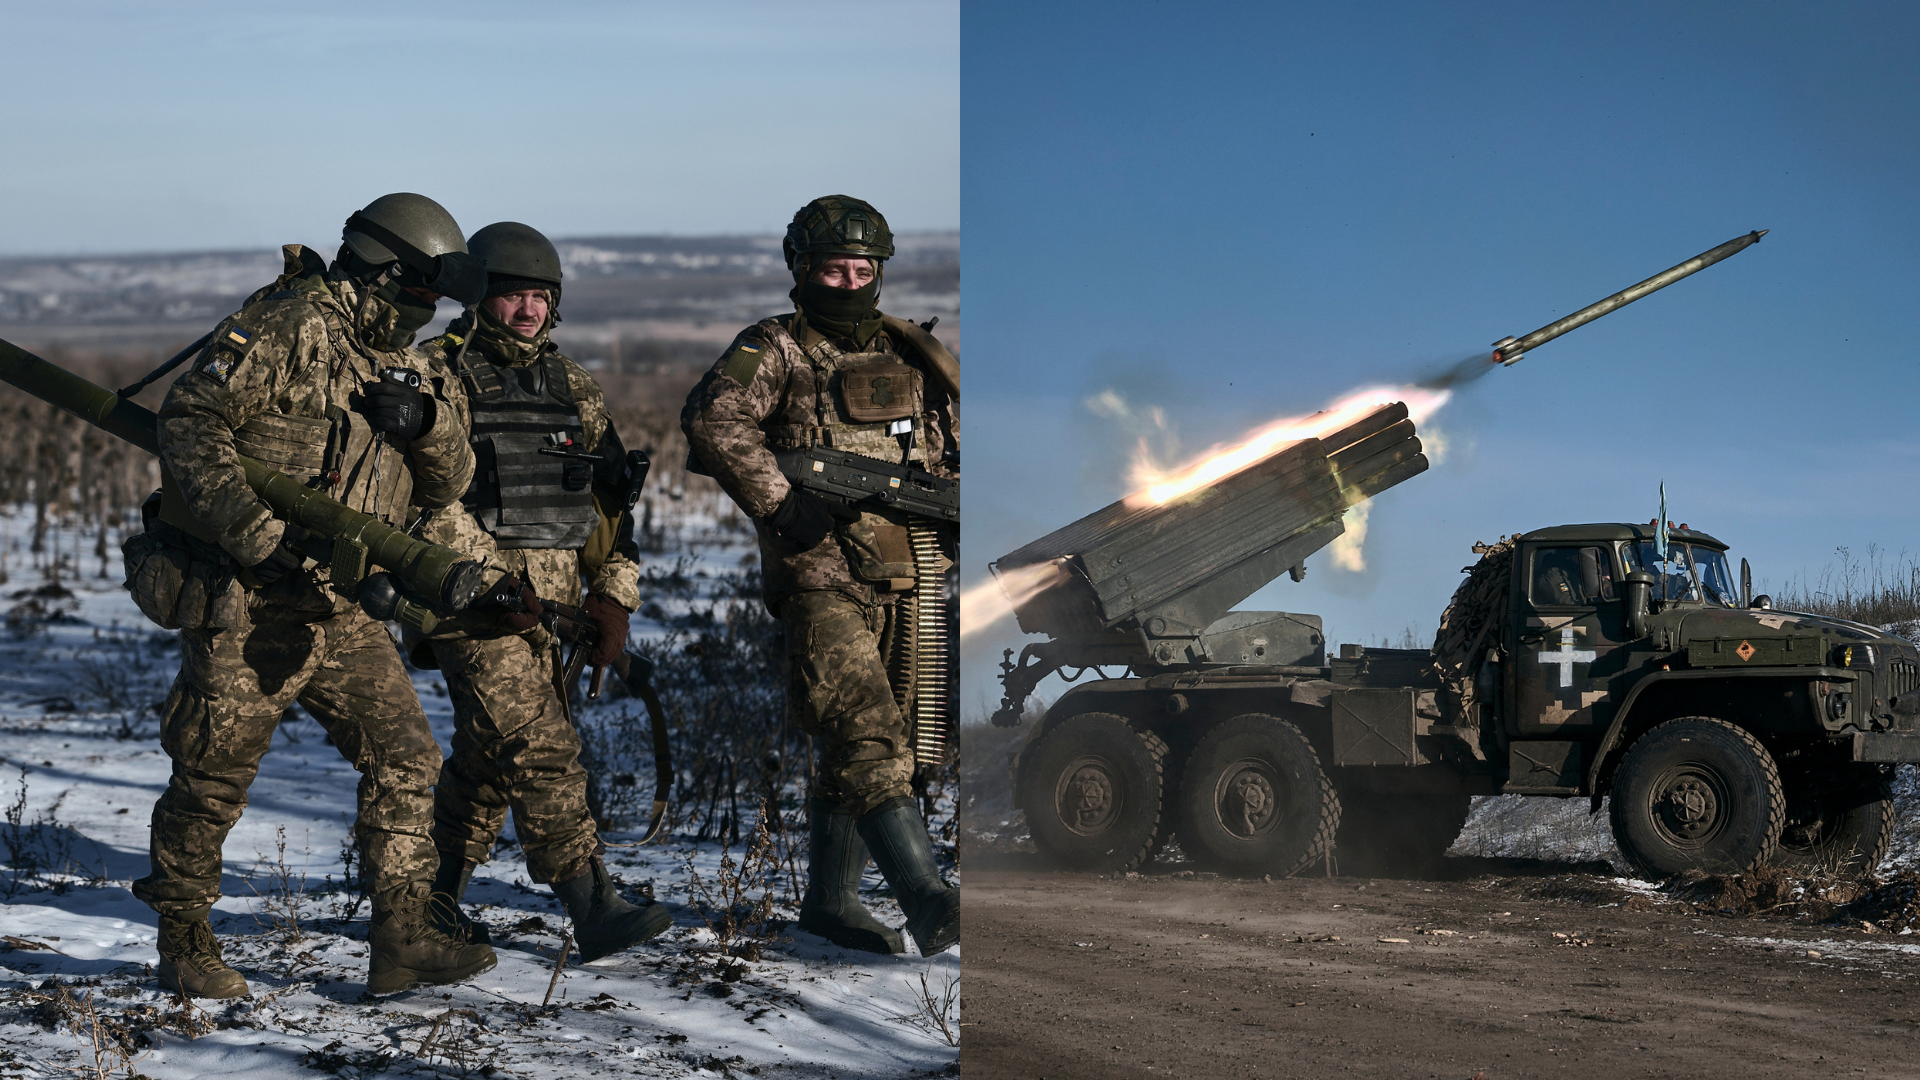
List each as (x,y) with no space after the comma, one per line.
(990,601)
(1159,488)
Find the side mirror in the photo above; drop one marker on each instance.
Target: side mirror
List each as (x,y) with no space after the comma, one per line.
(1746,583)
(1763,602)
(1639,592)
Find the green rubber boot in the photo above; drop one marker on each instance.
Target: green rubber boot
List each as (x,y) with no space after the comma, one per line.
(831,907)
(409,949)
(602,922)
(190,960)
(897,836)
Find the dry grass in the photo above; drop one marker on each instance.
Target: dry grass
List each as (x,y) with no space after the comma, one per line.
(937,1013)
(737,903)
(1879,590)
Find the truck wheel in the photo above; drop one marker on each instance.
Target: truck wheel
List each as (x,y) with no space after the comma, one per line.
(1837,825)
(1091,789)
(1254,800)
(1697,794)
(1392,835)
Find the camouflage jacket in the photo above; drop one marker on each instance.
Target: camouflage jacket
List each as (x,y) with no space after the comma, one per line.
(281,383)
(611,560)
(765,394)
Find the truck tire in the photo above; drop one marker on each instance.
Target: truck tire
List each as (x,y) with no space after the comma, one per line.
(1697,794)
(1091,789)
(1837,825)
(1254,800)
(1395,835)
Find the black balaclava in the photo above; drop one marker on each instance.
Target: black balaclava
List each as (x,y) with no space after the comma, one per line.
(843,313)
(388,317)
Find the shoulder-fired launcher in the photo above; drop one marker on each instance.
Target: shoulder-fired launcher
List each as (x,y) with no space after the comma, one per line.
(350,541)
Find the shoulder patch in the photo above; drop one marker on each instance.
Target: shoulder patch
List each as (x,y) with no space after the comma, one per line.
(743,362)
(228,348)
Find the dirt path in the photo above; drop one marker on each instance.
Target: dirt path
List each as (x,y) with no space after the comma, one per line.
(1170,975)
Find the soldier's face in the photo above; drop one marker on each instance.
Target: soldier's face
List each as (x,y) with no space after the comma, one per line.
(525,311)
(844,272)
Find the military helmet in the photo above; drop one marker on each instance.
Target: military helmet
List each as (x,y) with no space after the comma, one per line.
(414,219)
(517,257)
(837,225)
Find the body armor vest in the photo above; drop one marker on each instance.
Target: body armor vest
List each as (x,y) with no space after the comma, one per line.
(533,480)
(869,404)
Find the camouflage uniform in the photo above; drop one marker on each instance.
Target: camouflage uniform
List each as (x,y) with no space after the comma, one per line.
(281,384)
(770,392)
(514,744)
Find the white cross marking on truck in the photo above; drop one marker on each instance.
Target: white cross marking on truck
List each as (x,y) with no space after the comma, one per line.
(1566,656)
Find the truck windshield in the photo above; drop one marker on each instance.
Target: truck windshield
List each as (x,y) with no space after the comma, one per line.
(1689,571)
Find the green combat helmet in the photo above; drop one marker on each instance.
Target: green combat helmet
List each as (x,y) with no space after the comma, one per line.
(420,234)
(517,257)
(836,225)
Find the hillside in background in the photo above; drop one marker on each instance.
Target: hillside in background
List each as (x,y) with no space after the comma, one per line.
(622,292)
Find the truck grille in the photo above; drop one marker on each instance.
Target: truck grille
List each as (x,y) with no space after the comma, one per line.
(1902,676)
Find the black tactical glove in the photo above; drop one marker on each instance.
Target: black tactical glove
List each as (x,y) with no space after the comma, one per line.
(282,560)
(396,409)
(801,520)
(518,604)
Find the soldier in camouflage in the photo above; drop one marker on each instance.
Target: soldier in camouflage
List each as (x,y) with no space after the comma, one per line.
(314,377)
(549,505)
(838,373)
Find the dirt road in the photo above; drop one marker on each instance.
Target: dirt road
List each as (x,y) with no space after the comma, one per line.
(1502,971)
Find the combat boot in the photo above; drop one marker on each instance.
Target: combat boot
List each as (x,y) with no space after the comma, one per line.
(408,949)
(897,837)
(831,907)
(449,889)
(602,922)
(190,960)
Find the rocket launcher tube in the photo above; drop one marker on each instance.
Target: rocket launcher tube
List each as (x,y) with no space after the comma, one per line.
(1510,350)
(359,541)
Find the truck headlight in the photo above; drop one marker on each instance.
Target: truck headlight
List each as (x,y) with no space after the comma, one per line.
(1856,656)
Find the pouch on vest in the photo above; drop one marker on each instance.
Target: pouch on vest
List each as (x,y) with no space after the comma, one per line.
(294,445)
(879,552)
(878,393)
(181,583)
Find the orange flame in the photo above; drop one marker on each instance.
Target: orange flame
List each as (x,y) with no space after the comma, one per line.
(1159,487)
(990,601)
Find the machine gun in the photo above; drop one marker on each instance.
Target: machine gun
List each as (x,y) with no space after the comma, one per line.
(348,541)
(849,480)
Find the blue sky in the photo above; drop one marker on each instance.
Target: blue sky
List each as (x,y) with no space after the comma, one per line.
(1239,211)
(195,125)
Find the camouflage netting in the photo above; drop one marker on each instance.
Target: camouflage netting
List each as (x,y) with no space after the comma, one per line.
(1468,626)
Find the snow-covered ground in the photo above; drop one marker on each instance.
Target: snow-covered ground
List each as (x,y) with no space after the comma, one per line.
(80,675)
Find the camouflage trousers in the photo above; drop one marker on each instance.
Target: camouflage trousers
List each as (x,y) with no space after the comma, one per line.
(234,686)
(513,747)
(840,695)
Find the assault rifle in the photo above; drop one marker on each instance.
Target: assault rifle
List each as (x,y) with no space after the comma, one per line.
(853,482)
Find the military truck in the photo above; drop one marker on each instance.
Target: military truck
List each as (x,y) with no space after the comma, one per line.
(1598,660)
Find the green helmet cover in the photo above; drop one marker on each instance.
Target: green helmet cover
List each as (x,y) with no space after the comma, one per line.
(836,225)
(414,218)
(511,249)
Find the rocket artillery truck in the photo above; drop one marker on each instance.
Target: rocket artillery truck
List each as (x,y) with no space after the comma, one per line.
(1594,660)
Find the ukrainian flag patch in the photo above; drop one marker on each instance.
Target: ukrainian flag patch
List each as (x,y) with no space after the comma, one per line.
(742,363)
(223,355)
